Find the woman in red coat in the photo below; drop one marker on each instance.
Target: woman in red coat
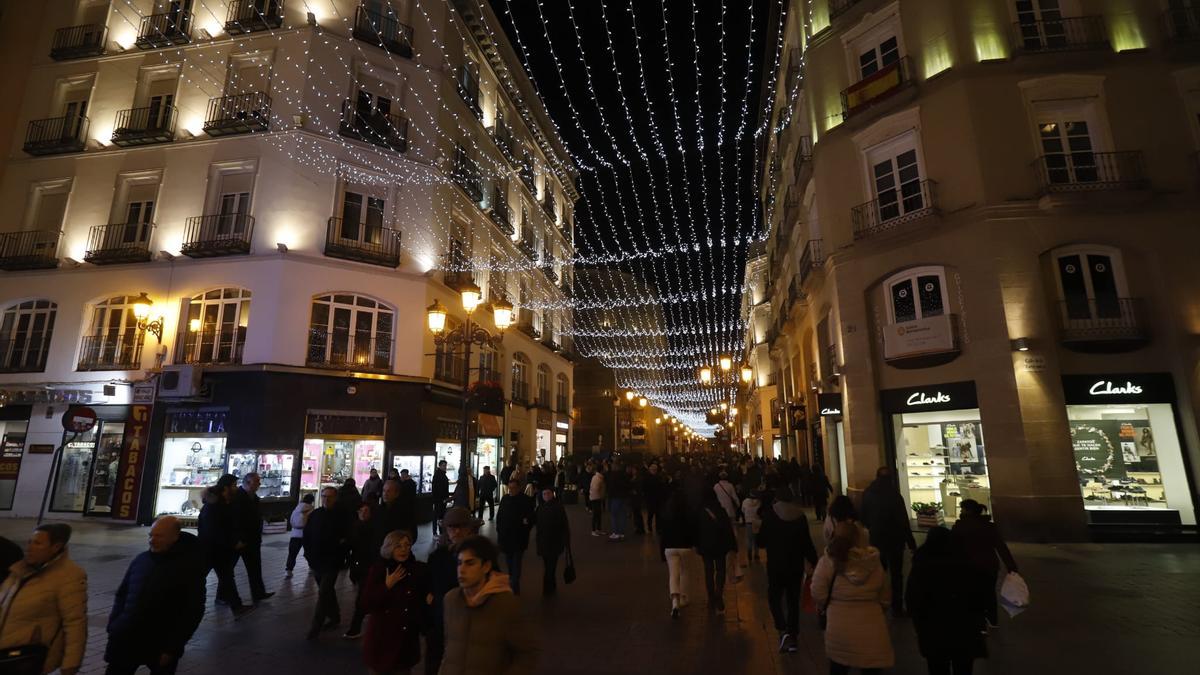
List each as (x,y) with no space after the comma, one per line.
(396,600)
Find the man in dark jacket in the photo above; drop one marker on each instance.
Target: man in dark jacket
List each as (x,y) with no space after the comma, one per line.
(784,533)
(486,492)
(617,486)
(408,502)
(325,545)
(513,523)
(217,530)
(364,551)
(248,519)
(653,494)
(391,514)
(443,578)
(440,494)
(159,603)
(553,537)
(886,516)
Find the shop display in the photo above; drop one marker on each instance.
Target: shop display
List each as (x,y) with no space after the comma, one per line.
(12,451)
(104,469)
(328,463)
(87,470)
(190,464)
(449,452)
(420,467)
(941,460)
(1116,457)
(274,471)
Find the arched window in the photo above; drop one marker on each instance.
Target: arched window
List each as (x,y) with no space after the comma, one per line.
(214,327)
(1091,283)
(916,294)
(350,331)
(447,362)
(25,332)
(562,401)
(113,341)
(543,385)
(520,378)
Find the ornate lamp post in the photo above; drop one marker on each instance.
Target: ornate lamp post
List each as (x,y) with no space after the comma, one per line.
(466,335)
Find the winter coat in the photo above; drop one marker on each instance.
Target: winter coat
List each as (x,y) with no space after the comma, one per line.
(216,527)
(653,490)
(348,500)
(398,614)
(299,519)
(675,525)
(727,496)
(372,489)
(596,489)
(363,548)
(514,520)
(326,540)
(159,603)
(505,474)
(390,517)
(493,638)
(856,633)
(946,612)
(714,532)
(864,536)
(617,484)
(553,533)
(980,542)
(750,508)
(486,485)
(886,516)
(443,576)
(441,485)
(49,603)
(788,542)
(247,517)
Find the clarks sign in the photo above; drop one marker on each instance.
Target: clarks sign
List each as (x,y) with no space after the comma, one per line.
(1119,388)
(1106,388)
(920,398)
(830,404)
(932,397)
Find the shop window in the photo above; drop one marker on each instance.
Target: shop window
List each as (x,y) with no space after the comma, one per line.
(447,362)
(329,462)
(362,217)
(488,372)
(543,385)
(87,470)
(564,393)
(350,331)
(520,378)
(13,433)
(916,294)
(25,332)
(193,458)
(215,326)
(1091,283)
(941,460)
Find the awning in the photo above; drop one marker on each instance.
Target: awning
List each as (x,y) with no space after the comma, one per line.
(490,425)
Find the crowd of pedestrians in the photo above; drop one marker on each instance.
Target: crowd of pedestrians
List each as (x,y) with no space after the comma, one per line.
(729,511)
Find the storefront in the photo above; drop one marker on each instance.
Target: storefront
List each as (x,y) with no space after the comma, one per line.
(488,449)
(544,440)
(936,437)
(448,449)
(14,428)
(193,458)
(1128,454)
(420,467)
(829,406)
(85,481)
(340,445)
(562,428)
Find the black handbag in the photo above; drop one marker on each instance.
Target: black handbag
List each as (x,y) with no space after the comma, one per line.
(569,570)
(24,660)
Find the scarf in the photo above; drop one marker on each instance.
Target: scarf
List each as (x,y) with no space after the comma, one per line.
(495,584)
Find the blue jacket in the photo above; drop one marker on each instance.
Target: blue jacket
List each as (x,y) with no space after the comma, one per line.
(160,601)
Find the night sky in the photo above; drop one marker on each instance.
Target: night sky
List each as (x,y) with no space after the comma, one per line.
(667,154)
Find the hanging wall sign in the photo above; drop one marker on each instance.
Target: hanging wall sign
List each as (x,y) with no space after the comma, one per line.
(131,463)
(830,404)
(1119,388)
(951,396)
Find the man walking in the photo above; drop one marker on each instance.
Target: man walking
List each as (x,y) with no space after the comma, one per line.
(784,533)
(159,603)
(652,492)
(513,522)
(441,493)
(487,494)
(217,530)
(391,514)
(248,518)
(617,485)
(553,537)
(325,549)
(443,578)
(886,516)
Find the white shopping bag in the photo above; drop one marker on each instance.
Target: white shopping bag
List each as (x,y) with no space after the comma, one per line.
(1014,594)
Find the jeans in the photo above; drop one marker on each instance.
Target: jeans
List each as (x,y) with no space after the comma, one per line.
(597,507)
(677,562)
(490,500)
(512,561)
(327,602)
(781,590)
(550,573)
(714,577)
(251,557)
(839,669)
(892,558)
(294,546)
(617,515)
(951,666)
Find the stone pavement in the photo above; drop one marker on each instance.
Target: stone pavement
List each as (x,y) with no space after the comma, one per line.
(1112,608)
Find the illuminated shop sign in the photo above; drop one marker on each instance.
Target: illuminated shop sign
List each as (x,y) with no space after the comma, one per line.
(950,396)
(1118,388)
(830,405)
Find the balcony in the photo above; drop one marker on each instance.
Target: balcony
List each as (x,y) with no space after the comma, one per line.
(56,135)
(249,16)
(1102,324)
(467,177)
(525,246)
(119,243)
(371,126)
(549,206)
(342,350)
(210,346)
(1058,35)
(468,91)
(528,328)
(111,351)
(145,126)
(502,135)
(811,260)
(77,42)
(1090,171)
(448,367)
(527,177)
(500,215)
(29,250)
(384,31)
(25,355)
(362,242)
(551,275)
(217,235)
(840,7)
(238,114)
(913,201)
(921,342)
(165,30)
(1183,24)
(877,87)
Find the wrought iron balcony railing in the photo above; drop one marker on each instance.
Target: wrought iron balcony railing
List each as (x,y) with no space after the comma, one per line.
(1090,171)
(217,235)
(384,31)
(29,250)
(500,215)
(111,351)
(77,42)
(371,126)
(468,91)
(358,241)
(1102,320)
(1064,34)
(238,114)
(25,355)
(164,30)
(876,87)
(212,346)
(343,350)
(894,208)
(502,135)
(811,260)
(467,177)
(56,135)
(248,16)
(448,367)
(144,126)
(119,243)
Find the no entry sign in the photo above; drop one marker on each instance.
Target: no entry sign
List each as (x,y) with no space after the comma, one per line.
(79,420)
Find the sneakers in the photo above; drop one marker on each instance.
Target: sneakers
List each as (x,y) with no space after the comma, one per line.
(792,647)
(597,533)
(352,634)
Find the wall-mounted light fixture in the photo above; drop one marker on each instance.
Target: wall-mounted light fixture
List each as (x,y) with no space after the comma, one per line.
(1021,344)
(141,311)
(281,247)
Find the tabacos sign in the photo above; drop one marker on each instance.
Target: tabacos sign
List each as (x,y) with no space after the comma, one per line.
(920,398)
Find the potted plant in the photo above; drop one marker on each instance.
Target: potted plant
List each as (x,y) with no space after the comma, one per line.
(929,514)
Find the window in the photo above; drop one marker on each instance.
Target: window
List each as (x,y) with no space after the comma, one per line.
(878,57)
(875,45)
(25,331)
(543,385)
(487,365)
(896,177)
(447,362)
(1067,151)
(113,339)
(362,217)
(215,326)
(520,378)
(1091,282)
(47,206)
(1040,24)
(350,331)
(916,294)
(564,394)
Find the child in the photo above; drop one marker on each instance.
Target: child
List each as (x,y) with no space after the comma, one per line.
(750,506)
(298,520)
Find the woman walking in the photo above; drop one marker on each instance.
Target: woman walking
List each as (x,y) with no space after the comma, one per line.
(851,586)
(596,499)
(715,540)
(980,541)
(395,599)
(946,613)
(842,511)
(676,540)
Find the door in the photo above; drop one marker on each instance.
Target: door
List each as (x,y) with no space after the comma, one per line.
(1089,286)
(103,480)
(179,16)
(116,328)
(362,218)
(897,183)
(74,112)
(1068,153)
(233,207)
(139,216)
(1041,25)
(158,116)
(878,57)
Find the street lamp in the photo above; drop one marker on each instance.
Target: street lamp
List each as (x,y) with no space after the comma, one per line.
(466,335)
(141,312)
(706,375)
(642,402)
(747,374)
(629,395)
(726,363)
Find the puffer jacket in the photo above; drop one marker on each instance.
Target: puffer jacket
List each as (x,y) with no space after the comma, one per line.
(46,605)
(492,637)
(856,633)
(160,601)
(596,489)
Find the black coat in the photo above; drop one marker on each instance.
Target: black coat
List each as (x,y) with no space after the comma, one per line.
(441,485)
(617,484)
(505,474)
(946,612)
(786,537)
(326,540)
(653,491)
(486,485)
(714,531)
(553,532)
(676,528)
(886,516)
(979,541)
(514,520)
(364,548)
(443,578)
(391,517)
(247,517)
(159,603)
(216,528)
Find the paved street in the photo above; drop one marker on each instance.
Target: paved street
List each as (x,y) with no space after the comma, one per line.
(1097,608)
